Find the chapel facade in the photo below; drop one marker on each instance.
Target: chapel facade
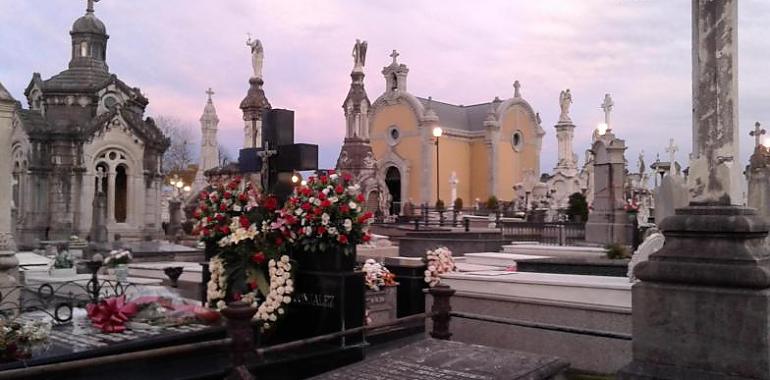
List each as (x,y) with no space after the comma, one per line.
(84,131)
(485,148)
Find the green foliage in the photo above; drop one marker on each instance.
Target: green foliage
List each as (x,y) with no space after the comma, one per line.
(440,205)
(616,251)
(492,202)
(63,260)
(458,204)
(577,208)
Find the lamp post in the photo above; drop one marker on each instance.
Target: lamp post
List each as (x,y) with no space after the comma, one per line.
(437,132)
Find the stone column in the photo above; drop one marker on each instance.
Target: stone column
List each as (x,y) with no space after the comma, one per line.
(608,222)
(7,110)
(702,307)
(111,196)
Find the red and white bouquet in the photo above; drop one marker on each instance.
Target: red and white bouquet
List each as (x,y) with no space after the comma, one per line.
(439,261)
(251,232)
(377,276)
(330,214)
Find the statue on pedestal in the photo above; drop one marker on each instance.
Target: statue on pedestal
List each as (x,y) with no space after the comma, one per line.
(565,100)
(359,54)
(257,55)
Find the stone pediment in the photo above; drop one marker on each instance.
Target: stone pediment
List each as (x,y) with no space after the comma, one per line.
(143,130)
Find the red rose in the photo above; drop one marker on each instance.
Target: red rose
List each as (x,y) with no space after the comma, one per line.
(214,198)
(243,197)
(306,191)
(360,198)
(294,200)
(223,207)
(366,237)
(271,203)
(258,258)
(339,189)
(225,230)
(233,185)
(347,176)
(342,239)
(321,196)
(290,219)
(205,231)
(326,203)
(318,211)
(252,284)
(197,213)
(344,209)
(324,180)
(244,221)
(306,206)
(203,195)
(228,195)
(321,230)
(278,240)
(204,207)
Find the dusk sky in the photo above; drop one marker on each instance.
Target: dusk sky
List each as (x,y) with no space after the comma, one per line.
(458,51)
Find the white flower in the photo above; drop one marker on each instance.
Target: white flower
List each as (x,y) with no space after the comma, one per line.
(348,224)
(352,205)
(325,219)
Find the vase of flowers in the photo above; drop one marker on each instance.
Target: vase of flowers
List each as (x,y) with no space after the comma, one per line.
(63,265)
(117,264)
(438,261)
(332,222)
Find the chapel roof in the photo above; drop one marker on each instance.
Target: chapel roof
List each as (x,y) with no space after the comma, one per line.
(89,23)
(465,118)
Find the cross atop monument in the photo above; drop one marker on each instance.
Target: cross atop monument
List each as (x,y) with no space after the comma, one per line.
(607,105)
(671,149)
(265,155)
(90,6)
(394,55)
(757,134)
(209,92)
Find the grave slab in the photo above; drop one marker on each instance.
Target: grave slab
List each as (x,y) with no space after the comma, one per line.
(446,360)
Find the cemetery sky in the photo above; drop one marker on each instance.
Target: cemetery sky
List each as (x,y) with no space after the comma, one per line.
(457,51)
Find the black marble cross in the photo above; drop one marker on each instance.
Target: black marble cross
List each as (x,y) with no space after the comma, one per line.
(279,157)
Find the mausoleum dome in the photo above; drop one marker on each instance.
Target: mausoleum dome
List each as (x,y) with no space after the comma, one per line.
(89,24)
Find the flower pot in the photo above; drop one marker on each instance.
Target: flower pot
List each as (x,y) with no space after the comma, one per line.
(331,260)
(121,273)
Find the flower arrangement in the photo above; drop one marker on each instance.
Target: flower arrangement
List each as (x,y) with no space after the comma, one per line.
(118,257)
(330,213)
(17,339)
(439,261)
(377,275)
(251,232)
(63,260)
(631,206)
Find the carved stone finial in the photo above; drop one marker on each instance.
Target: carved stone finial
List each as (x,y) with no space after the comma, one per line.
(90,6)
(209,92)
(394,55)
(516,87)
(757,134)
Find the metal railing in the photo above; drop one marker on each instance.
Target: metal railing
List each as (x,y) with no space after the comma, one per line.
(557,233)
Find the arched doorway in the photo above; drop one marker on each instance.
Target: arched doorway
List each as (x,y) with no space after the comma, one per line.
(393,182)
(121,194)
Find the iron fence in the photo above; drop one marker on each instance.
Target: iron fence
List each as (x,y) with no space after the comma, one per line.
(556,233)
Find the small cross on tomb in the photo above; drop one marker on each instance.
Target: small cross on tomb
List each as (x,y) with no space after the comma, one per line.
(394,55)
(757,134)
(671,150)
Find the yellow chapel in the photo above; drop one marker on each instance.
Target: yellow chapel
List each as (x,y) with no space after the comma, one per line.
(483,150)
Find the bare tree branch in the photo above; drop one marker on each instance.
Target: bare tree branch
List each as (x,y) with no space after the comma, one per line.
(179,155)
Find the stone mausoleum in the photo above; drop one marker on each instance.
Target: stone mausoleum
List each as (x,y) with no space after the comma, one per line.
(84,131)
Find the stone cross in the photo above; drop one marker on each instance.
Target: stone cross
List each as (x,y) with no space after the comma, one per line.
(607,105)
(90,7)
(757,134)
(209,92)
(394,55)
(99,177)
(671,150)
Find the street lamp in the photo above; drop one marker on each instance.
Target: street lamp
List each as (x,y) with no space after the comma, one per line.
(437,132)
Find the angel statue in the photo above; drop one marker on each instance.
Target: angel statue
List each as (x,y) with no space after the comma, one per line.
(565,100)
(359,54)
(257,55)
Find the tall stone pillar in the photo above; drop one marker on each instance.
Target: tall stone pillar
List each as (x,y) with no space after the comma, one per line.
(608,222)
(758,175)
(7,110)
(209,157)
(702,307)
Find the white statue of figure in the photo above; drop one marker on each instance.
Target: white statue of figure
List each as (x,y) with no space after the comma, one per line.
(565,100)
(453,181)
(359,54)
(653,243)
(607,105)
(257,55)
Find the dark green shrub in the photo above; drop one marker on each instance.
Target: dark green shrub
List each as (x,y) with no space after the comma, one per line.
(577,208)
